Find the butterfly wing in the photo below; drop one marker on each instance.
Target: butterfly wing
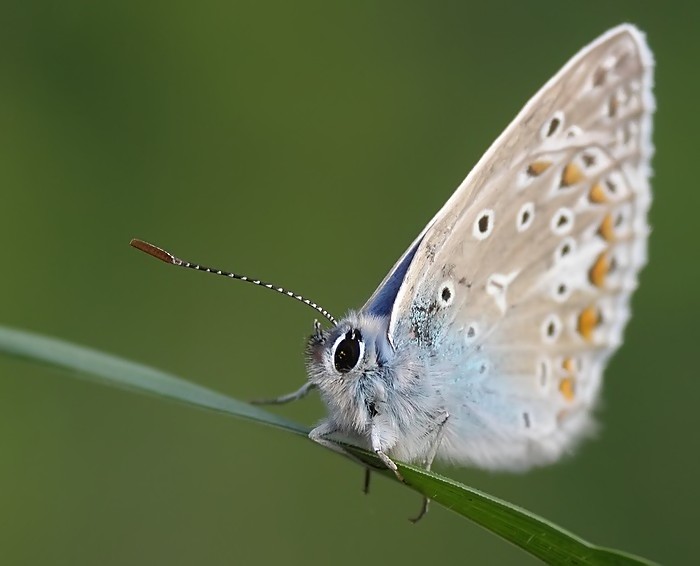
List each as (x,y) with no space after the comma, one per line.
(525,275)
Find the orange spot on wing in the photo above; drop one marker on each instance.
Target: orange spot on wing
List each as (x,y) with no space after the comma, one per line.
(606,230)
(571,175)
(569,365)
(597,194)
(599,270)
(587,321)
(566,388)
(538,167)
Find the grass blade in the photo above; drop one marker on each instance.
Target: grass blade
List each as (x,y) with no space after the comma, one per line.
(93,365)
(535,535)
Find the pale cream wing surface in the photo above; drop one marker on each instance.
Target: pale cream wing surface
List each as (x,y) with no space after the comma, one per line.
(531,263)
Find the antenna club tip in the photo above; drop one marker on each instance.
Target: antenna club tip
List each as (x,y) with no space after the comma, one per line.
(153,251)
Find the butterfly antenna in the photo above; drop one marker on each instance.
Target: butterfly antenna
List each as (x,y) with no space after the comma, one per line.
(167,257)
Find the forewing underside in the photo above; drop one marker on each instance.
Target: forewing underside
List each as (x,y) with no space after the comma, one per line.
(531,263)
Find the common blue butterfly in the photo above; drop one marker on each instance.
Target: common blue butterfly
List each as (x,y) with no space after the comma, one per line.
(485,344)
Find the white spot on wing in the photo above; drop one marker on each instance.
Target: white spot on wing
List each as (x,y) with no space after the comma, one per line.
(497,287)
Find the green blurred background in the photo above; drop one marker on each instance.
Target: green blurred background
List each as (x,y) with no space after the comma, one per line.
(306,143)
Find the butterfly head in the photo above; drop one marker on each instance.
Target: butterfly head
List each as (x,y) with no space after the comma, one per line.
(374,393)
(355,369)
(355,347)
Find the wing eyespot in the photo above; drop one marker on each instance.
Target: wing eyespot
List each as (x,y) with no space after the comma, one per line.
(446,294)
(562,221)
(553,126)
(526,215)
(483,225)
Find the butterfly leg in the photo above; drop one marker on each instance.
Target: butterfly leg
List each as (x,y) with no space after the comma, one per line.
(325,429)
(377,449)
(365,486)
(303,391)
(428,462)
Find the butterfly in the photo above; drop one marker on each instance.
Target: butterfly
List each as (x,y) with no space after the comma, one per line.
(485,344)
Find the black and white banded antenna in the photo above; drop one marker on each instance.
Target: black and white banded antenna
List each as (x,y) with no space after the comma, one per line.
(167,257)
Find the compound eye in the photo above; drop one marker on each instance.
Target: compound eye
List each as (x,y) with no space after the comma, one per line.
(348,350)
